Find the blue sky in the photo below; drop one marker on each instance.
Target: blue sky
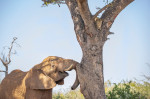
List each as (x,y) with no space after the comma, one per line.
(49,31)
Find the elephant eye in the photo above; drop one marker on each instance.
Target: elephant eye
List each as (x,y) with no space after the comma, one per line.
(53,66)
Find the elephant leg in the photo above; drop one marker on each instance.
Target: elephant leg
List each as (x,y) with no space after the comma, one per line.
(47,94)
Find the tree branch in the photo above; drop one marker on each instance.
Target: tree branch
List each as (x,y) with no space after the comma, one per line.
(86,15)
(2,71)
(10,49)
(112,12)
(147,77)
(98,12)
(84,11)
(148,64)
(6,60)
(79,25)
(4,63)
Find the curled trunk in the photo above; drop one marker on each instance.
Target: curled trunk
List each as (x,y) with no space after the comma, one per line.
(72,65)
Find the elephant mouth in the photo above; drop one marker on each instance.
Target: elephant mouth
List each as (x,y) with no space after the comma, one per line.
(64,73)
(61,81)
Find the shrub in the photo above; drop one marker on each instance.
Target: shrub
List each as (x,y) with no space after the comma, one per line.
(124,91)
(68,95)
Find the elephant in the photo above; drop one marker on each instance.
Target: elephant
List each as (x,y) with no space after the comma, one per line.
(38,82)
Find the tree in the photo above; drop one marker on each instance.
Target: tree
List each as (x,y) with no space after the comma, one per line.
(6,60)
(91,32)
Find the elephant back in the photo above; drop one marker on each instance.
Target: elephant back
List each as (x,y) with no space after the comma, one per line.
(10,83)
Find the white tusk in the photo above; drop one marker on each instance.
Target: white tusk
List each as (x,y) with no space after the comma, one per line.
(69,68)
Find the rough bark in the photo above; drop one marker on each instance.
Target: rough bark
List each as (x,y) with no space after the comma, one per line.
(90,72)
(91,40)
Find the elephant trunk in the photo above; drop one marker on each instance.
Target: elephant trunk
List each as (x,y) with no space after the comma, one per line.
(72,65)
(69,68)
(76,83)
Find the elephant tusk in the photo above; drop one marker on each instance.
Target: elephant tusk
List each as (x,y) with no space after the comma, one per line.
(70,67)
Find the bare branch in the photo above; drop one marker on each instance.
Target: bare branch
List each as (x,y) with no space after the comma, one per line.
(9,54)
(2,71)
(84,11)
(79,25)
(3,62)
(102,9)
(2,53)
(110,33)
(112,12)
(148,64)
(14,52)
(5,47)
(17,44)
(147,77)
(6,60)
(86,15)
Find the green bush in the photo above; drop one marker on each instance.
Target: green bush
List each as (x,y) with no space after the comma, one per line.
(124,91)
(59,96)
(68,95)
(143,88)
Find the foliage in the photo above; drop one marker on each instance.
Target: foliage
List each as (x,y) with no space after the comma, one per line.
(123,90)
(69,95)
(47,2)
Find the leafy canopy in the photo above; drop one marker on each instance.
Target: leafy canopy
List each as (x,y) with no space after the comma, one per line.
(46,2)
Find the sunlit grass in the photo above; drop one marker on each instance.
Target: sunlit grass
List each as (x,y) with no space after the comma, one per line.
(76,94)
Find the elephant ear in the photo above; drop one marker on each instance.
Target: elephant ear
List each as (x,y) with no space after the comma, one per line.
(35,79)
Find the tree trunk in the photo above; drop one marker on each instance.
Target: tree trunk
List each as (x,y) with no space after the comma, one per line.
(90,73)
(91,37)
(6,72)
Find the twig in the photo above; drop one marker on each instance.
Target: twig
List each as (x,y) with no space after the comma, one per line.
(3,62)
(2,71)
(11,49)
(97,13)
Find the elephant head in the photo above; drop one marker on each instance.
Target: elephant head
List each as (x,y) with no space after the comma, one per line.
(38,82)
(51,71)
